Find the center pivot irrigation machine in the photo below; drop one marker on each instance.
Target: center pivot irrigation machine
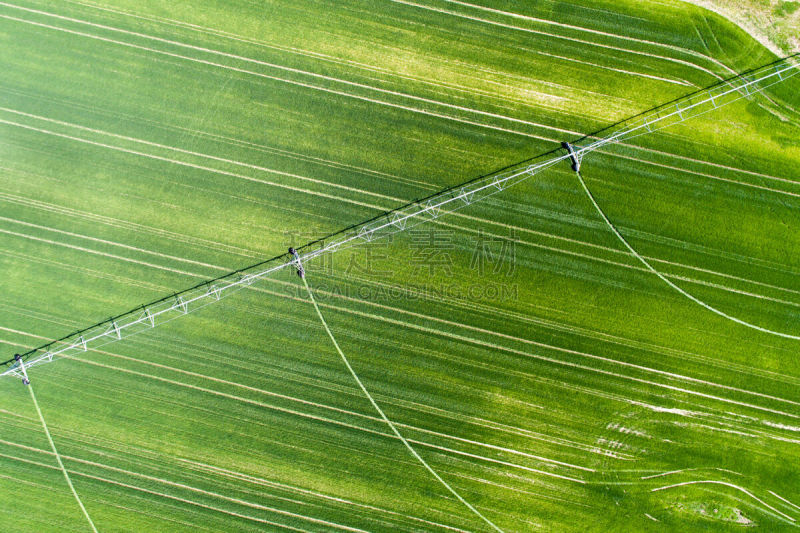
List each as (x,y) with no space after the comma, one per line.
(160,311)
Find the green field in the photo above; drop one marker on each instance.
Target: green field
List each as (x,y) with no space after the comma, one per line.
(537,366)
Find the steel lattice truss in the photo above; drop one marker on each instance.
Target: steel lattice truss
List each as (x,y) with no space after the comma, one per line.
(158,312)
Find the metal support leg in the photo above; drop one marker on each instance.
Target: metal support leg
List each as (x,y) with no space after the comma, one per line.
(576,162)
(297,264)
(25,380)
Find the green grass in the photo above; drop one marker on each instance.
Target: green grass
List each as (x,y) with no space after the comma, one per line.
(196,138)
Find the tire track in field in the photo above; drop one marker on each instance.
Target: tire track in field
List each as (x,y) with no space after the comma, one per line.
(97,252)
(58,456)
(748,391)
(513,351)
(594,31)
(207,357)
(161,517)
(341,93)
(192,502)
(784,516)
(720,166)
(493,447)
(142,453)
(518,339)
(427,318)
(351,63)
(97,274)
(619,70)
(471,455)
(149,459)
(242,58)
(189,165)
(235,500)
(345,199)
(259,481)
(355,449)
(553,140)
(477,342)
(66,265)
(127,225)
(13,515)
(165,465)
(673,285)
(195,154)
(121,117)
(111,243)
(710,176)
(281,67)
(562,37)
(536,245)
(298,156)
(37,463)
(324,57)
(501,101)
(318,418)
(349,189)
(199,477)
(42,337)
(484,367)
(486,310)
(784,500)
(294,82)
(348,83)
(386,419)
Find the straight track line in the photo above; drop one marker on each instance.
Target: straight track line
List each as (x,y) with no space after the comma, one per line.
(58,458)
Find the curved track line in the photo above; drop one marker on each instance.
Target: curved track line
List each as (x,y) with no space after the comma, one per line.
(725,483)
(670,283)
(386,419)
(58,458)
(784,500)
(562,37)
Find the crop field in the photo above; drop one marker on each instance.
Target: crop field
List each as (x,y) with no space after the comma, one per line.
(551,379)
